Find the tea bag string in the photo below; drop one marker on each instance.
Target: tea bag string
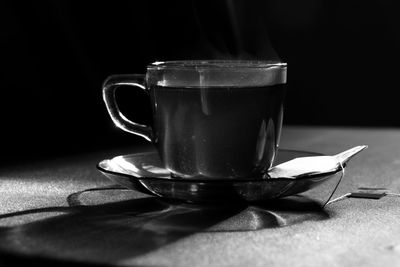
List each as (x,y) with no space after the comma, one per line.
(329,201)
(353,194)
(393,194)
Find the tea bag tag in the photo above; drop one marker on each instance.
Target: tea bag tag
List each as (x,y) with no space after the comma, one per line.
(370,193)
(366,193)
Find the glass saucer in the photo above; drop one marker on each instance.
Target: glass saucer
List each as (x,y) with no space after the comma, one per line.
(143,172)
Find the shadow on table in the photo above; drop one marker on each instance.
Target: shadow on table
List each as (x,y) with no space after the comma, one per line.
(89,231)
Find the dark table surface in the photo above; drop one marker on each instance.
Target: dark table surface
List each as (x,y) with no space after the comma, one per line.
(46,216)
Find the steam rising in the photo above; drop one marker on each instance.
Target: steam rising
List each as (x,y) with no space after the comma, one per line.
(235,24)
(234,29)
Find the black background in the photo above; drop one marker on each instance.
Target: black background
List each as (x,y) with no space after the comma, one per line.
(342,62)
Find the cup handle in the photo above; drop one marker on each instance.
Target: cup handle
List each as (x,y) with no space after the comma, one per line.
(110,85)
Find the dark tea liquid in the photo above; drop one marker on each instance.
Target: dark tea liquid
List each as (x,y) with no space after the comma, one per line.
(217,132)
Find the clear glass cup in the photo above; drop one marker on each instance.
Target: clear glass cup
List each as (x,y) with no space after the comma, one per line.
(211,119)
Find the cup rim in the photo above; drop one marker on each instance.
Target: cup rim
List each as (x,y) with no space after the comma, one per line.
(216,64)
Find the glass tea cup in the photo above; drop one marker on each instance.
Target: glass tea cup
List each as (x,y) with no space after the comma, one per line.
(211,119)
